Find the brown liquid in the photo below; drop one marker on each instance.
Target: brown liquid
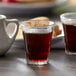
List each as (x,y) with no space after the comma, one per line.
(37,46)
(70,37)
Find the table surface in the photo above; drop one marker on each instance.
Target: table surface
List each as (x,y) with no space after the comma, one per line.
(14,64)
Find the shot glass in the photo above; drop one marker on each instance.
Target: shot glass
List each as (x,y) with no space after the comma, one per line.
(69,25)
(37,40)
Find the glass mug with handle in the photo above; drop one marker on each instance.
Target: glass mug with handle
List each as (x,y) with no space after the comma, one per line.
(8,33)
(69,25)
(37,41)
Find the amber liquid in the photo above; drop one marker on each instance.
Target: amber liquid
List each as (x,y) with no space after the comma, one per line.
(37,46)
(70,37)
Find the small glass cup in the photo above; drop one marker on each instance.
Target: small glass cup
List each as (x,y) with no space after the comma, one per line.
(37,41)
(69,25)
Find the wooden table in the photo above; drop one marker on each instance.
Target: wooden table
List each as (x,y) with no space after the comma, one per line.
(14,64)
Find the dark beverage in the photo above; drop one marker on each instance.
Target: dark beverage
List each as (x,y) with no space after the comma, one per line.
(37,46)
(70,37)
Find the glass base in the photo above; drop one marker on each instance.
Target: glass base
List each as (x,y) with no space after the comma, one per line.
(37,62)
(70,53)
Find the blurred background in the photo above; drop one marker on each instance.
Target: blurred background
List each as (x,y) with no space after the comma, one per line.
(25,9)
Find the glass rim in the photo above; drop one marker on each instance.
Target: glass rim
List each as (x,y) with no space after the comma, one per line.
(51,23)
(63,16)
